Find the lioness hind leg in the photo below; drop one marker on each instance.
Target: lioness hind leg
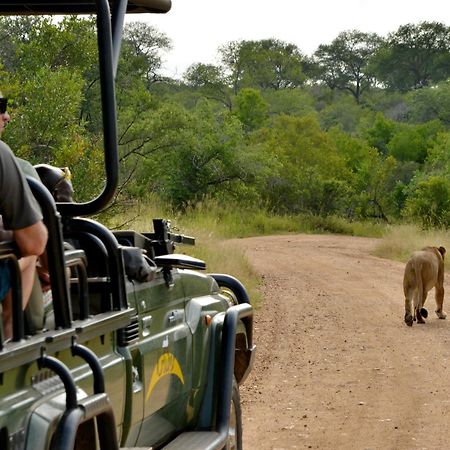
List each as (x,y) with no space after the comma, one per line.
(440,303)
(419,315)
(419,300)
(409,318)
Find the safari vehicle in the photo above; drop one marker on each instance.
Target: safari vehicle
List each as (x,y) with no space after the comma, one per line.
(142,353)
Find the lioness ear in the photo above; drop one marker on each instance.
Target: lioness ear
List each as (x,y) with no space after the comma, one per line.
(442,251)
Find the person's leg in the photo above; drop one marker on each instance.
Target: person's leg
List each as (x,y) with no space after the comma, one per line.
(27,270)
(7,316)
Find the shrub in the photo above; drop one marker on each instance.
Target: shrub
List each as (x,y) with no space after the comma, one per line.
(429,203)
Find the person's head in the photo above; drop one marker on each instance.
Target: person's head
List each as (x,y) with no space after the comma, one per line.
(4,116)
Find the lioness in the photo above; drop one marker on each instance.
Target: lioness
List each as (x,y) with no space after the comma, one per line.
(423,271)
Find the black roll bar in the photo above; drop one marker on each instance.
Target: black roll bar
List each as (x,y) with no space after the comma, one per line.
(55,254)
(74,226)
(118,16)
(109,37)
(108,99)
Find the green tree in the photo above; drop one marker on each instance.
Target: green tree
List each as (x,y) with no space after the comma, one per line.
(344,64)
(430,103)
(293,102)
(371,178)
(210,81)
(251,109)
(141,50)
(265,64)
(414,56)
(411,142)
(438,159)
(343,112)
(303,172)
(204,156)
(380,133)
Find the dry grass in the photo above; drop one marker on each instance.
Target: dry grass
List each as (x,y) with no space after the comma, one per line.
(213,224)
(401,240)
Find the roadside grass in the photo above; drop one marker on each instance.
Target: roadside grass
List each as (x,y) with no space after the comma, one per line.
(232,221)
(218,227)
(401,240)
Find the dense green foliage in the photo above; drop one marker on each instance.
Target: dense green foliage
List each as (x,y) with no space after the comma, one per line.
(358,130)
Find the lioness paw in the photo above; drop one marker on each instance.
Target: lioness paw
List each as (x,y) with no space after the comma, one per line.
(409,320)
(441,314)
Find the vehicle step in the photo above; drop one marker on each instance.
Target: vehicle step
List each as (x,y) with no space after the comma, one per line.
(195,440)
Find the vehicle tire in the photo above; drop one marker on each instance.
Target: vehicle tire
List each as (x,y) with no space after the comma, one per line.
(230,296)
(234,441)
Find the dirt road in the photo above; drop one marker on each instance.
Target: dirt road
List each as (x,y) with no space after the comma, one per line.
(336,367)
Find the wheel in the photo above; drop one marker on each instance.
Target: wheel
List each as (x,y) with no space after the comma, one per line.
(235,424)
(230,296)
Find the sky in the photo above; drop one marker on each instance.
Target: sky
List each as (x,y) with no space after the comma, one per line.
(198,28)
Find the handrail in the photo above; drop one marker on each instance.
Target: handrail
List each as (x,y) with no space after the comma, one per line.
(94,363)
(55,365)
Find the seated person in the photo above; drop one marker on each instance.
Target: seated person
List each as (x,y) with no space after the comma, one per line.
(21,215)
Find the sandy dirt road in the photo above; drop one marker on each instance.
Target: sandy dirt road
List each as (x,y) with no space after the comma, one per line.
(336,367)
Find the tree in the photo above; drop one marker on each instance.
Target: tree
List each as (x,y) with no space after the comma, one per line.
(50,67)
(343,112)
(371,178)
(414,56)
(265,64)
(198,154)
(141,50)
(211,81)
(438,159)
(430,103)
(303,171)
(411,142)
(344,64)
(251,109)
(380,133)
(293,102)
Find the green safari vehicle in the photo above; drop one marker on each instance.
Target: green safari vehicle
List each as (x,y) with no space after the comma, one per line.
(141,348)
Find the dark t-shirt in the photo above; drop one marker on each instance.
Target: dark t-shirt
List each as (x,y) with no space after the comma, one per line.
(18,206)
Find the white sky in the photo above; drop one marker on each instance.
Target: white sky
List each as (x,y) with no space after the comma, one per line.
(198,27)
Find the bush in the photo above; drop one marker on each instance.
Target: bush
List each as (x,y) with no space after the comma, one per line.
(429,203)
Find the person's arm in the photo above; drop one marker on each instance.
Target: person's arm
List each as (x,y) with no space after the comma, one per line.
(31,240)
(19,209)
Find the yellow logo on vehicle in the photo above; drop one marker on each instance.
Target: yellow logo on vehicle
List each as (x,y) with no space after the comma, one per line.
(167,365)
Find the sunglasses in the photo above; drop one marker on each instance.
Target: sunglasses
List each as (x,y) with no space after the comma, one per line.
(3,105)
